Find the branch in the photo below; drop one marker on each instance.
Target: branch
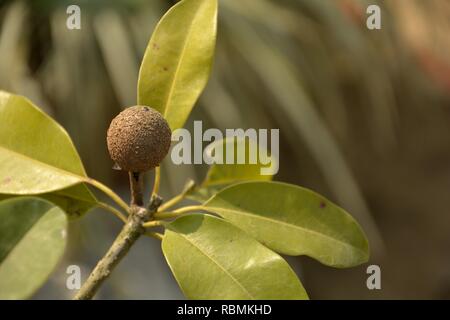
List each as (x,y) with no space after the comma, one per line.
(132,230)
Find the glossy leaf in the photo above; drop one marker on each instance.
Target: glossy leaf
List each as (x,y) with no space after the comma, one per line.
(32,240)
(212,259)
(36,154)
(293,221)
(73,201)
(177,62)
(222,174)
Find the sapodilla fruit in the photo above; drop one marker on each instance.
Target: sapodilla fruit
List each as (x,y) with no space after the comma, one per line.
(138,139)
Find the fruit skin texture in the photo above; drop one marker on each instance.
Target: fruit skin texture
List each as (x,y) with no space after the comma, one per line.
(138,139)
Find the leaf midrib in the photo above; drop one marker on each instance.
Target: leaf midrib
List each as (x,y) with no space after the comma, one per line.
(271,220)
(178,67)
(217,264)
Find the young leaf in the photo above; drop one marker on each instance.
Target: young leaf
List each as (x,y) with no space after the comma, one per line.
(293,221)
(178,59)
(222,174)
(212,259)
(32,240)
(36,154)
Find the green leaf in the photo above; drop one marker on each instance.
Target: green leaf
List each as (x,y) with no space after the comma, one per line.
(293,221)
(178,59)
(221,174)
(73,200)
(32,240)
(36,154)
(212,259)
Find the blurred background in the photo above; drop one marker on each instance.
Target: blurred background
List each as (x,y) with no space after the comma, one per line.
(364,118)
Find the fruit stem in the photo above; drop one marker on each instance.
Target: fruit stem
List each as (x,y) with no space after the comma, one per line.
(136,187)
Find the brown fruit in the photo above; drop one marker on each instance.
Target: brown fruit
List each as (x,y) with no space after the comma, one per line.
(138,139)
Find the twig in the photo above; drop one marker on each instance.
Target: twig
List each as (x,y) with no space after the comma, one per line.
(132,230)
(178,212)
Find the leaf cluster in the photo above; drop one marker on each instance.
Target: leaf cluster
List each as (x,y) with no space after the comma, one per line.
(227,246)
